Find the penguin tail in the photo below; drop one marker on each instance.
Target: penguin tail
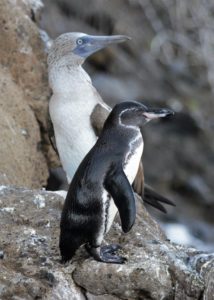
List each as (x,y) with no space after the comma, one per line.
(154,199)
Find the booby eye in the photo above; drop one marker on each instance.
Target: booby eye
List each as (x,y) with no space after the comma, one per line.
(79,42)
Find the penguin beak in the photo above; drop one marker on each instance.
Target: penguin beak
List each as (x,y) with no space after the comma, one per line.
(91,43)
(157,113)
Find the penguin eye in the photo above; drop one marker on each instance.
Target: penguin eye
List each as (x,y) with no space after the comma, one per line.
(79,42)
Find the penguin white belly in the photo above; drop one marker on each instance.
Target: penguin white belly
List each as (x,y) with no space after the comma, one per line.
(133,159)
(108,214)
(112,211)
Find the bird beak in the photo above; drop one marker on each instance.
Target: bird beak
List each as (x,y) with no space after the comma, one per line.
(157,113)
(104,41)
(95,43)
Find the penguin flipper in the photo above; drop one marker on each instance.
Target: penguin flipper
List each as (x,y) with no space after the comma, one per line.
(121,191)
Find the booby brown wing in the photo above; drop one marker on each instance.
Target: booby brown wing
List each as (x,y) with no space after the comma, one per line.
(138,184)
(154,199)
(98,117)
(51,136)
(147,193)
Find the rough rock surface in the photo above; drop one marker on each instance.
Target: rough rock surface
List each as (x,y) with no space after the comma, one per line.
(21,159)
(24,95)
(30,268)
(22,52)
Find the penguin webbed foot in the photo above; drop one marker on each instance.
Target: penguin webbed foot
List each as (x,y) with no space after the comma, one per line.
(106,253)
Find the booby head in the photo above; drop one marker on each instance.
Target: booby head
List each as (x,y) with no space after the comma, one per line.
(75,47)
(135,114)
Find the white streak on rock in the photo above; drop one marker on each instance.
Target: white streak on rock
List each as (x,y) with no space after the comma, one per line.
(61,193)
(39,200)
(2,187)
(7,209)
(29,231)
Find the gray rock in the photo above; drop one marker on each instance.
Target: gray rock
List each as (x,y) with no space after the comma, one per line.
(155,268)
(30,268)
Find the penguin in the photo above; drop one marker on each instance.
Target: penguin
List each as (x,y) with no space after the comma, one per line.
(102,184)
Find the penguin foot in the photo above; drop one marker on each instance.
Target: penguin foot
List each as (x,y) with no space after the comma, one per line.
(106,254)
(111,249)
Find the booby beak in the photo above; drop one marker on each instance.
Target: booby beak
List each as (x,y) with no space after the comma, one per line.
(89,44)
(157,113)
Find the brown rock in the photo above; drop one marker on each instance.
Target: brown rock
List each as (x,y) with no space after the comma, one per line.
(24,96)
(22,52)
(21,160)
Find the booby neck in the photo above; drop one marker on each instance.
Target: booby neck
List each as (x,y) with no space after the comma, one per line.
(66,78)
(71,105)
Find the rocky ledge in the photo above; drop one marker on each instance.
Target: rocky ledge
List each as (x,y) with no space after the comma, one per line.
(30,267)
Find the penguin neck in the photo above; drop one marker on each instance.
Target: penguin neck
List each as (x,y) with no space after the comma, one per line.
(131,128)
(117,122)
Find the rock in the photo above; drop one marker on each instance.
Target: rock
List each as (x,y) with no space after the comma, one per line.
(209,287)
(102,297)
(154,266)
(22,53)
(30,267)
(21,159)
(24,96)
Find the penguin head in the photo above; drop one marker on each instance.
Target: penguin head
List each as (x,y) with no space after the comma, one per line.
(135,114)
(75,47)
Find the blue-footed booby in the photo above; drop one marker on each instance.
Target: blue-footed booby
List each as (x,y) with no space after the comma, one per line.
(76,109)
